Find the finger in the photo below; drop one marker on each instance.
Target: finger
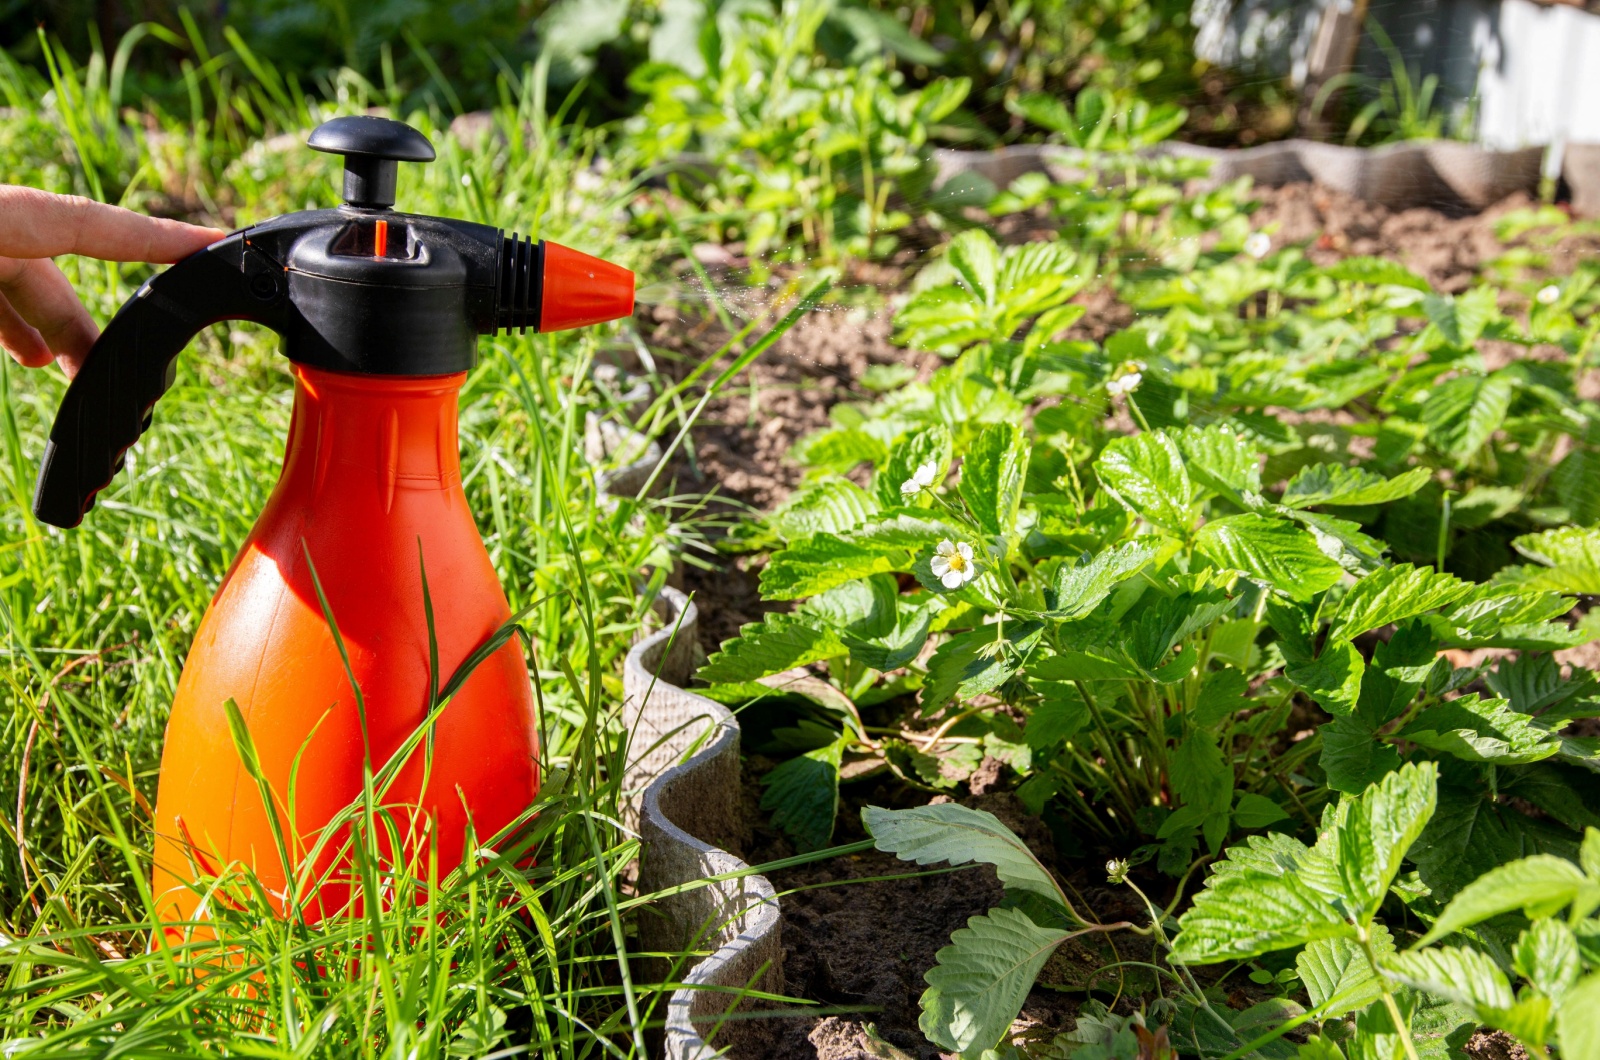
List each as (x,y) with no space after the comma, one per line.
(44,298)
(21,340)
(40,225)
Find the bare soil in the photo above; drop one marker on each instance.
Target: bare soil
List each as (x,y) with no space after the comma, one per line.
(1445,249)
(860,931)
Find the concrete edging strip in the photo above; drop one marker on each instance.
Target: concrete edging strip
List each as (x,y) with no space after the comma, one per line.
(684,766)
(1440,173)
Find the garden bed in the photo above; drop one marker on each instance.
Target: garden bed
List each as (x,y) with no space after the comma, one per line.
(742,444)
(853,940)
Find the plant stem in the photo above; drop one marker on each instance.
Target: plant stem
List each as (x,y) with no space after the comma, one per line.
(1401,1027)
(1110,749)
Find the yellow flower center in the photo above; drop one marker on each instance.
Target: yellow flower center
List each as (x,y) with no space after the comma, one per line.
(958,562)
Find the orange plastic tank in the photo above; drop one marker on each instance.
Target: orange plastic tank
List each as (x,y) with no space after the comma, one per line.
(371,472)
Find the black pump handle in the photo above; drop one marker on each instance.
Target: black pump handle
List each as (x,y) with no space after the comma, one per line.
(110,402)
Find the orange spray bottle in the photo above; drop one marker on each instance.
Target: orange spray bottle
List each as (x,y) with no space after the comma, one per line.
(380,313)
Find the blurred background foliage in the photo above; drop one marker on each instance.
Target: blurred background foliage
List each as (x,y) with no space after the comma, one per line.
(448,53)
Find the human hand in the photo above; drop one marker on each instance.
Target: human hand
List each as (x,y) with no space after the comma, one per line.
(41,319)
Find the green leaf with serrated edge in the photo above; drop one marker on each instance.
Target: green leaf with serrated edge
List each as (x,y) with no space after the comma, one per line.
(1490,607)
(976,260)
(1058,716)
(1247,913)
(816,563)
(1271,550)
(1353,758)
(1257,811)
(1399,667)
(1534,683)
(941,318)
(1376,272)
(1475,729)
(992,474)
(1577,484)
(819,562)
(1372,833)
(1292,624)
(1342,538)
(1338,969)
(1482,505)
(1337,484)
(802,795)
(777,643)
(1542,883)
(1436,1027)
(1167,622)
(970,664)
(1222,460)
(981,979)
(1223,694)
(831,505)
(900,645)
(1576,1027)
(915,764)
(1570,556)
(865,607)
(1393,594)
(1050,324)
(1565,793)
(1316,1047)
(838,449)
(1543,636)
(918,449)
(1274,854)
(1213,1034)
(1463,413)
(1199,775)
(1472,833)
(1080,587)
(1461,319)
(1146,475)
(1589,853)
(950,832)
(1332,679)
(1080,666)
(1464,976)
(1546,955)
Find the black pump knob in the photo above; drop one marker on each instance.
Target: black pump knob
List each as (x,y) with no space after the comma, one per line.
(372,148)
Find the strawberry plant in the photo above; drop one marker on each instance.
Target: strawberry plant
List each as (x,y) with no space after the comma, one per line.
(796,147)
(1530,920)
(1288,560)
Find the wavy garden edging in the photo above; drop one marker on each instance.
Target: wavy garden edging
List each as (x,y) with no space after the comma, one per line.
(1444,174)
(1439,173)
(687,813)
(682,793)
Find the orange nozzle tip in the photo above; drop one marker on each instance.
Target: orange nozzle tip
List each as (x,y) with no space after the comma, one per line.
(580,289)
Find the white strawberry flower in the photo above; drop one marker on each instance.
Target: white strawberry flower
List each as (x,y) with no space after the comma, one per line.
(1258,245)
(1125,384)
(1116,870)
(953,564)
(920,479)
(1549,295)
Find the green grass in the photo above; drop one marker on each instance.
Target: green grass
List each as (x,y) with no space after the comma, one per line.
(96,623)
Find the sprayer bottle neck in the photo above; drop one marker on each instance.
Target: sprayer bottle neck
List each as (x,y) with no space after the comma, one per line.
(368,439)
